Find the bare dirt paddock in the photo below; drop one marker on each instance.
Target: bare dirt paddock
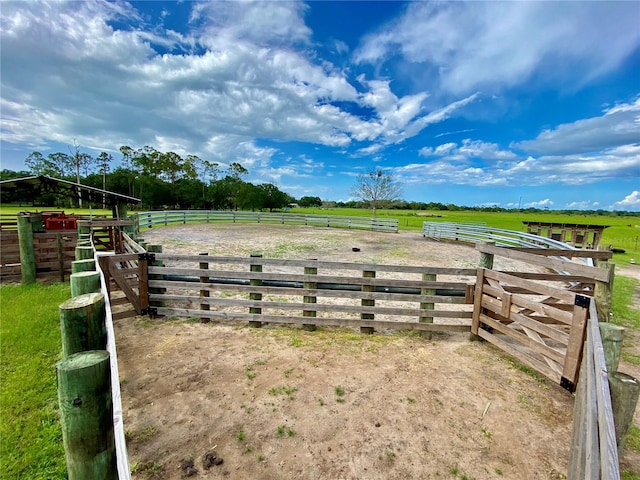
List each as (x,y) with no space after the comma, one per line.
(283,403)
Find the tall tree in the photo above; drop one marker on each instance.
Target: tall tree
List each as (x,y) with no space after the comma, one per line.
(38,164)
(376,188)
(104,159)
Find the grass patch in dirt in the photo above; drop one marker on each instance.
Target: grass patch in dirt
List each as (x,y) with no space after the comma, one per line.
(30,434)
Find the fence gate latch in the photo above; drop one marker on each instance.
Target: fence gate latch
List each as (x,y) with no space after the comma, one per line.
(567,384)
(149,257)
(582,301)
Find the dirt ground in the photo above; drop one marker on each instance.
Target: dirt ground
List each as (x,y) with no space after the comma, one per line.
(228,401)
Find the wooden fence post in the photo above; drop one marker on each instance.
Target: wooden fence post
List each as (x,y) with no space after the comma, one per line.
(86,265)
(486,259)
(84,252)
(204,293)
(603,293)
(60,252)
(255,296)
(156,263)
(368,303)
(86,416)
(612,336)
(84,282)
(624,398)
(427,277)
(309,299)
(27,254)
(82,324)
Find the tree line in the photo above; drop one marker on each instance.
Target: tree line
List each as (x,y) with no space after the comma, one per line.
(160,179)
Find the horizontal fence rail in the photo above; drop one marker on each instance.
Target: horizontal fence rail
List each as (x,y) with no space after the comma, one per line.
(163,218)
(476,232)
(312,292)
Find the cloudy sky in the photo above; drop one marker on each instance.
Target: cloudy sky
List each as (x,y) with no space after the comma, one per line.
(515,103)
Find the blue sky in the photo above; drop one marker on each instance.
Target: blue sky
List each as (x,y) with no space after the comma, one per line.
(501,103)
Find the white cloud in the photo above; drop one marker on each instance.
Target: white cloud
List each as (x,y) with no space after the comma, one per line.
(546,203)
(233,78)
(619,126)
(487,45)
(630,202)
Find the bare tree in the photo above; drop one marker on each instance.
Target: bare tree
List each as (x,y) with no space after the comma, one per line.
(376,188)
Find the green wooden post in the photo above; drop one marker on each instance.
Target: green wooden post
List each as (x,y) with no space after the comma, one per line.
(84,282)
(27,254)
(255,296)
(603,293)
(82,324)
(612,336)
(86,416)
(368,303)
(87,265)
(486,259)
(624,397)
(309,298)
(427,277)
(84,252)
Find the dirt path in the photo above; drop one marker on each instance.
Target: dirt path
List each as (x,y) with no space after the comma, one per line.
(282,403)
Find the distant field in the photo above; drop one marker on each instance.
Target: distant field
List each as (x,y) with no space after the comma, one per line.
(623,232)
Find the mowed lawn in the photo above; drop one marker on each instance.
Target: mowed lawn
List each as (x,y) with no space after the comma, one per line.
(30,435)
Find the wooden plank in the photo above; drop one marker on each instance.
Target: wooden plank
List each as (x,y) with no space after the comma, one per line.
(570,267)
(530,286)
(321,264)
(519,355)
(531,323)
(124,314)
(576,342)
(120,279)
(328,293)
(477,302)
(543,309)
(321,321)
(291,277)
(540,348)
(561,252)
(318,307)
(609,460)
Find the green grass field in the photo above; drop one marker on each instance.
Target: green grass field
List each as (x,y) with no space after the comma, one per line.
(30,435)
(623,231)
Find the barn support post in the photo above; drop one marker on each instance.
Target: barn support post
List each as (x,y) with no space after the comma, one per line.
(368,303)
(27,253)
(427,277)
(310,327)
(204,292)
(86,415)
(255,296)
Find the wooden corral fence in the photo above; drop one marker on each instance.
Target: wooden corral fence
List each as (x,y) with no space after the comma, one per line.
(53,252)
(311,292)
(163,218)
(594,451)
(537,318)
(126,279)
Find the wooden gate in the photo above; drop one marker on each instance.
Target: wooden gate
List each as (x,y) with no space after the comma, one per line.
(540,325)
(127,283)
